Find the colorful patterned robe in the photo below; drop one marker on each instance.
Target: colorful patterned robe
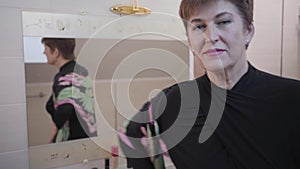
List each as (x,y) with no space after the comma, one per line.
(71,105)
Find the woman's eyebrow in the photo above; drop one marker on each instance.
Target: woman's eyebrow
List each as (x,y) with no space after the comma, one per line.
(196,20)
(222,14)
(217,16)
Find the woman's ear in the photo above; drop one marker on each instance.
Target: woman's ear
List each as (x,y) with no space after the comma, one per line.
(56,52)
(250,34)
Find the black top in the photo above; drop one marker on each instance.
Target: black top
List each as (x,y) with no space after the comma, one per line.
(258,129)
(66,112)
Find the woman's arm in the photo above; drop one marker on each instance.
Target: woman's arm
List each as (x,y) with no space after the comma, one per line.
(131,141)
(53,134)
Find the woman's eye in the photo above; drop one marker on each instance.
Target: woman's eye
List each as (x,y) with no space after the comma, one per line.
(200,27)
(225,22)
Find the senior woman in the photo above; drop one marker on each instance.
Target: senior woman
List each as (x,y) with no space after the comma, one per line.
(233,117)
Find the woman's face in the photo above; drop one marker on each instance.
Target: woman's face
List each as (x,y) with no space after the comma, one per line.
(217,36)
(51,55)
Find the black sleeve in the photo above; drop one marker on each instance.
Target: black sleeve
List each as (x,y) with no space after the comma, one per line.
(137,157)
(62,114)
(296,148)
(134,134)
(50,106)
(294,101)
(295,134)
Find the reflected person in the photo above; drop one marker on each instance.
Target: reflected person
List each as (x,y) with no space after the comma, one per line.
(256,113)
(71,104)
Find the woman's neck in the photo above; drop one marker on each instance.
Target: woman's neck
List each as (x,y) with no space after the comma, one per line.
(62,62)
(229,77)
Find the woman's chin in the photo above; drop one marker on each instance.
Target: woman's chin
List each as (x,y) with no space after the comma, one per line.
(216,66)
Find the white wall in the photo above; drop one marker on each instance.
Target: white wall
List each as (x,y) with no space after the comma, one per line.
(291,29)
(265,49)
(266,53)
(276,41)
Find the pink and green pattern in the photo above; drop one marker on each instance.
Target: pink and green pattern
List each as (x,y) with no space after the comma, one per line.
(82,100)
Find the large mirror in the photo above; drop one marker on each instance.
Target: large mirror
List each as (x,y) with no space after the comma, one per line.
(39,80)
(128,61)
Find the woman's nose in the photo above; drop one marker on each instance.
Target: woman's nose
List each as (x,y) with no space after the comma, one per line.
(211,34)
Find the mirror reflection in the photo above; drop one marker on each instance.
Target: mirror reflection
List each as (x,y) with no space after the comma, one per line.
(71,104)
(158,61)
(63,87)
(114,99)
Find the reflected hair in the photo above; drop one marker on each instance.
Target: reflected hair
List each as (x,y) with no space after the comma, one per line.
(65,46)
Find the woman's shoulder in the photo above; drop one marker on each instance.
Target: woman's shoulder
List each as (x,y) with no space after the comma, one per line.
(183,87)
(73,67)
(178,93)
(277,82)
(282,80)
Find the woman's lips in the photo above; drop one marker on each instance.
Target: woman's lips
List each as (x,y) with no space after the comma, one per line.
(214,52)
